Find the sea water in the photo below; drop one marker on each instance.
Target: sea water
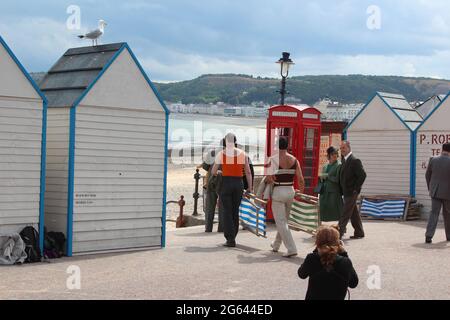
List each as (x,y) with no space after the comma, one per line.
(191,134)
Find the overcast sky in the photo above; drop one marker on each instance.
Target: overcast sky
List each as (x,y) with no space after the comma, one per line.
(182,39)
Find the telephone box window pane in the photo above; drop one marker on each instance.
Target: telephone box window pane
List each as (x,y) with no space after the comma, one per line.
(308,183)
(310,137)
(308,172)
(308,154)
(287,133)
(309,162)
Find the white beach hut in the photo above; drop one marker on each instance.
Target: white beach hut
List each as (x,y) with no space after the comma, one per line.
(431,135)
(107,151)
(22,147)
(382,136)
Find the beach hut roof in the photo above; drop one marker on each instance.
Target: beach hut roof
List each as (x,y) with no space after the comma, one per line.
(403,109)
(38,76)
(398,104)
(75,71)
(443,99)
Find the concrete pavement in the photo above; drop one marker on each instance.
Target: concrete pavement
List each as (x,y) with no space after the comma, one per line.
(195,266)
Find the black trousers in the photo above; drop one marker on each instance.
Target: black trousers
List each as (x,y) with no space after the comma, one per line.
(210,211)
(230,200)
(351,213)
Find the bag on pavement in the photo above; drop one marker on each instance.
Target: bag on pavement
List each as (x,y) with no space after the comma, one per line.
(30,236)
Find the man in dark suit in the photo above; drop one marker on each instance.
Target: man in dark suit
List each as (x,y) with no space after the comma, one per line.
(352,178)
(438,182)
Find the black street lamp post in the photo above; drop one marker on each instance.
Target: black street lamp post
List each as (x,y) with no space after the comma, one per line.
(285,62)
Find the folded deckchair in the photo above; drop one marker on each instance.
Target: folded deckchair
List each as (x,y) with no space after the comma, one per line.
(382,209)
(253,215)
(304,215)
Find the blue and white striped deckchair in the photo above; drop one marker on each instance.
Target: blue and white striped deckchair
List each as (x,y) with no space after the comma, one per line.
(383,209)
(304,215)
(253,217)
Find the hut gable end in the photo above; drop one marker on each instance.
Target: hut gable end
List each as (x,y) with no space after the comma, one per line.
(13,81)
(438,119)
(123,79)
(376,116)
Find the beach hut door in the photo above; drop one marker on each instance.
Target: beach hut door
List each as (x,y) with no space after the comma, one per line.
(290,133)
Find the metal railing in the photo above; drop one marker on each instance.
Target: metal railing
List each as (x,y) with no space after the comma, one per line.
(180,222)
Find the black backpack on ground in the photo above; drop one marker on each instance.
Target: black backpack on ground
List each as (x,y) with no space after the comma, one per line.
(54,244)
(30,237)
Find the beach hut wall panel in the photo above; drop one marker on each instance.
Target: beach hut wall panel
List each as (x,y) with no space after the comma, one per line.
(22,141)
(431,135)
(381,136)
(116,151)
(57,169)
(111,127)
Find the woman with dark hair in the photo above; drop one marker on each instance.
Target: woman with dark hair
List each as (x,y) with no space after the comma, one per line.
(328,267)
(331,203)
(285,169)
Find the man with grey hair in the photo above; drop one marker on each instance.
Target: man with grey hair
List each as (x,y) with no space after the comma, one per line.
(352,178)
(438,182)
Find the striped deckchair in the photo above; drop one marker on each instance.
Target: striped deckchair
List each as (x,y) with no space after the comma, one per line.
(383,209)
(252,217)
(304,215)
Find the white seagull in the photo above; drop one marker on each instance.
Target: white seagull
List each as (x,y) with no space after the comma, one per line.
(95,34)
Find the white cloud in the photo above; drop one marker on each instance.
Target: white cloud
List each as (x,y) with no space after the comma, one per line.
(178,39)
(188,66)
(38,40)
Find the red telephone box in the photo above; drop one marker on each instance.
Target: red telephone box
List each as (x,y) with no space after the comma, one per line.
(302,127)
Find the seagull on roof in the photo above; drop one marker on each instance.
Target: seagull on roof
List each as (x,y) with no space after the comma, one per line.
(95,34)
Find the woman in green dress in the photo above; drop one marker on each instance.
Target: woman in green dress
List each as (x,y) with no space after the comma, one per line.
(331,203)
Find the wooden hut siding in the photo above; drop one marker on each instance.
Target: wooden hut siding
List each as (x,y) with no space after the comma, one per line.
(387,164)
(422,193)
(129,160)
(433,132)
(57,169)
(22,138)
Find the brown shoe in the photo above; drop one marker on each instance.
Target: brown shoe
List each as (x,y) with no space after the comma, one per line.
(356,237)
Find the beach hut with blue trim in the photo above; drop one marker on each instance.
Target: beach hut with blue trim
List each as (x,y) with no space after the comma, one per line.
(431,135)
(107,152)
(383,136)
(22,147)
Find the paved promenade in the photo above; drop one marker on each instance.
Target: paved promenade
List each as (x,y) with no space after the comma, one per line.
(195,266)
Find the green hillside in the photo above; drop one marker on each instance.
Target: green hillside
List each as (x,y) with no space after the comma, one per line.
(243,89)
